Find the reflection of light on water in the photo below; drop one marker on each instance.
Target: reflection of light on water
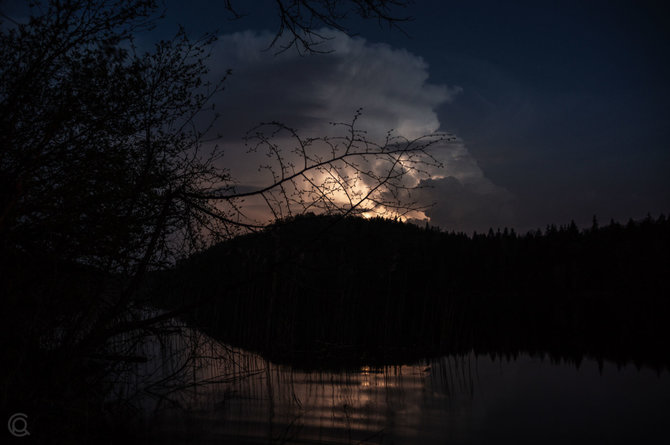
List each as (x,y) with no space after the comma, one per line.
(244,398)
(241,395)
(277,402)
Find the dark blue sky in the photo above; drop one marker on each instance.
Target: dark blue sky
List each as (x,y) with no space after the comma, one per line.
(563,104)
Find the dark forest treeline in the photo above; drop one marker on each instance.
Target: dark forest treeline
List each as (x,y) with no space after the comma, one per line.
(377,290)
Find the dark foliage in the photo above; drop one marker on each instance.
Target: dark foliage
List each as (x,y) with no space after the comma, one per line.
(103,178)
(317,290)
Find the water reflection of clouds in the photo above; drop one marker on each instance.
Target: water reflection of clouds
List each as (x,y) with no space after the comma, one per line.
(460,399)
(327,406)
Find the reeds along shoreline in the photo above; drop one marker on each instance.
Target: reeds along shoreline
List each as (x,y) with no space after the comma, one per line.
(378,291)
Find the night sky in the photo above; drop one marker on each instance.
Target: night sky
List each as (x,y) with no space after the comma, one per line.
(560,107)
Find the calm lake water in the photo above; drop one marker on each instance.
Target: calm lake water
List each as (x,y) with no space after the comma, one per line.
(457,400)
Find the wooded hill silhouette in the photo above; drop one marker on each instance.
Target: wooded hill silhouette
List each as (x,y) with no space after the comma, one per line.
(324,290)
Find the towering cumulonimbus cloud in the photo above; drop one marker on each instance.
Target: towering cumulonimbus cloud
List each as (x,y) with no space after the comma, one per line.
(308,92)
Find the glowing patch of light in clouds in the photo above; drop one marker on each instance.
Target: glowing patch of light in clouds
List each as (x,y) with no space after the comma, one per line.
(309,92)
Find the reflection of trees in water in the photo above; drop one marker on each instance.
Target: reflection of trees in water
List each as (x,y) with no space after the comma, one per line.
(376,290)
(191,379)
(242,397)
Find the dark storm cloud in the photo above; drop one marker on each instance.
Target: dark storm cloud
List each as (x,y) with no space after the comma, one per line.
(465,206)
(309,91)
(392,87)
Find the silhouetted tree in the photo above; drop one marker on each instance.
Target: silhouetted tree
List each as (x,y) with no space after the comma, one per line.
(368,289)
(104,178)
(300,21)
